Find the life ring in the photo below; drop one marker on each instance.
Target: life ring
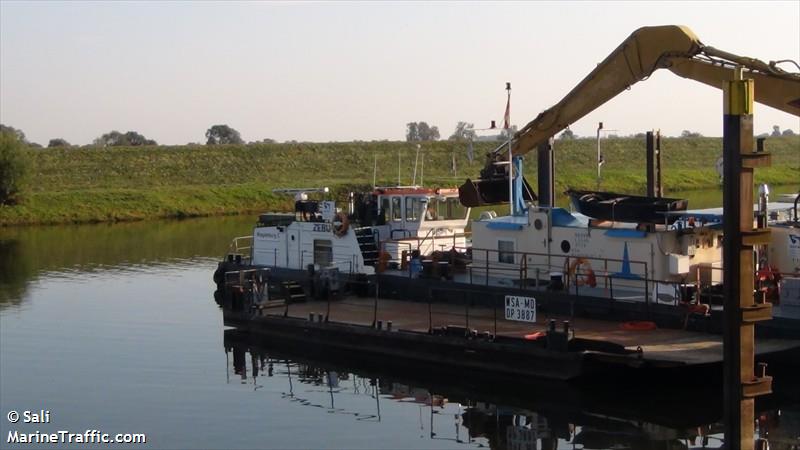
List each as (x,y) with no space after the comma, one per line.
(340,225)
(638,326)
(585,277)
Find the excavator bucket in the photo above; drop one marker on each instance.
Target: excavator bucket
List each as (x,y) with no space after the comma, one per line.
(491,191)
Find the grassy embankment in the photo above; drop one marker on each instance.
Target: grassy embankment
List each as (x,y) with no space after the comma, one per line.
(95,185)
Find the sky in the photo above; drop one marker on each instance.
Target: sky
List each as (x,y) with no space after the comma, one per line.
(343,71)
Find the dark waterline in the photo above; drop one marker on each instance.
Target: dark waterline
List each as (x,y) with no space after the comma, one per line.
(113,327)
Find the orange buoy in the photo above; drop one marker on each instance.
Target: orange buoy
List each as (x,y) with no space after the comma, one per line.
(638,326)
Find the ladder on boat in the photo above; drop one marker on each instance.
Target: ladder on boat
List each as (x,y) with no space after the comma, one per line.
(368,243)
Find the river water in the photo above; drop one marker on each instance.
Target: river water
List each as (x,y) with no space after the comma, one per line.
(114,328)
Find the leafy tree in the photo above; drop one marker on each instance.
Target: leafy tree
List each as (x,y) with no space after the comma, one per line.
(776,131)
(568,134)
(136,139)
(58,142)
(18,133)
(421,131)
(13,165)
(116,139)
(690,134)
(788,132)
(464,132)
(428,133)
(412,133)
(223,134)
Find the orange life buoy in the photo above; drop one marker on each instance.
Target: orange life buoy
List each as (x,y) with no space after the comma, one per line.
(585,277)
(340,224)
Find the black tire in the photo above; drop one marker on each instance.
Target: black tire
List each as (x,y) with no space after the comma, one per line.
(219,274)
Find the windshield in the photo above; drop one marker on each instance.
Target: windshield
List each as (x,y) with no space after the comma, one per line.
(445,209)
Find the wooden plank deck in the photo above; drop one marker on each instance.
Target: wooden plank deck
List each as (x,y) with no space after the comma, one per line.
(660,344)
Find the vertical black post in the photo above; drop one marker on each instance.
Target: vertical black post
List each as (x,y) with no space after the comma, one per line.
(494,308)
(328,311)
(741,384)
(375,304)
(659,186)
(731,259)
(546,174)
(651,164)
(466,311)
(430,312)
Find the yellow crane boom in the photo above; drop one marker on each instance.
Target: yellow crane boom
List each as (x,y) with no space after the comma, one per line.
(646,50)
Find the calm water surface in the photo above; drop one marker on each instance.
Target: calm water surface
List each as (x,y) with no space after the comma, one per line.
(113,328)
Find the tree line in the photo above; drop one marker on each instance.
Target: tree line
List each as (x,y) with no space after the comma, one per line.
(415,132)
(215,135)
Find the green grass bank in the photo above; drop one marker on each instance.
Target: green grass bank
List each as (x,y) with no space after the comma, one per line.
(71,185)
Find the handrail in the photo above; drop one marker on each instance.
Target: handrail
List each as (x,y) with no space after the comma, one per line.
(419,243)
(235,248)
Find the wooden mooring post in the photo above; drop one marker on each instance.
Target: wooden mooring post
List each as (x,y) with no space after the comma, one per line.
(741,383)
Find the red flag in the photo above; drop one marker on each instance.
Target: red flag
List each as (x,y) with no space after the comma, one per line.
(507,116)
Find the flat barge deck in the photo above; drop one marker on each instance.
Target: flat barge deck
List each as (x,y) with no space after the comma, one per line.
(478,338)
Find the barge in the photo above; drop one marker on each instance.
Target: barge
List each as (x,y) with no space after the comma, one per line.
(653,276)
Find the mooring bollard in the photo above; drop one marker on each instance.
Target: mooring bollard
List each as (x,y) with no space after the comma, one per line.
(380,324)
(388,325)
(311,316)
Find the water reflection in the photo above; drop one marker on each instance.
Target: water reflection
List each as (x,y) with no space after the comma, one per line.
(474,414)
(75,251)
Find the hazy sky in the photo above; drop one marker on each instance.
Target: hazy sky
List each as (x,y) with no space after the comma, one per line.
(344,71)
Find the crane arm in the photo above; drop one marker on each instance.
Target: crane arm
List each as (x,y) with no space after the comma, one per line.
(646,50)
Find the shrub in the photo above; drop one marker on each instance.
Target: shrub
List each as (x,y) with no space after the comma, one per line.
(13,168)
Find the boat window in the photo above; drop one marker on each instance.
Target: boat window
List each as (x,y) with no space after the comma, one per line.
(412,209)
(437,209)
(505,251)
(385,209)
(445,209)
(397,212)
(323,252)
(455,210)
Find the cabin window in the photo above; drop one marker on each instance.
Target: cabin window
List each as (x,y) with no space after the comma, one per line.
(455,210)
(323,252)
(505,251)
(437,209)
(397,211)
(445,209)
(384,212)
(412,209)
